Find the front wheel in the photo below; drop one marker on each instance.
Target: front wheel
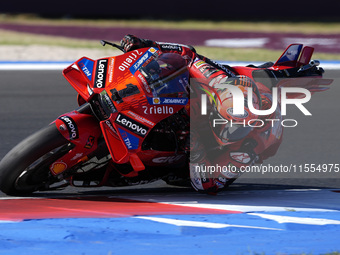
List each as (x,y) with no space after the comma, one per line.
(25,168)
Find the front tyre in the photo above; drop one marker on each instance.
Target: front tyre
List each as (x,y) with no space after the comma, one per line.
(25,168)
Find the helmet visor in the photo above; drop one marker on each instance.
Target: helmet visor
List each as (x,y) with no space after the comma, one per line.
(226,130)
(173,85)
(167,75)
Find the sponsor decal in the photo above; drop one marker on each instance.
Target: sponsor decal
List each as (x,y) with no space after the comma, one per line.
(90,142)
(130,140)
(101,70)
(107,101)
(153,50)
(58,167)
(199,63)
(129,60)
(109,124)
(156,100)
(169,46)
(62,127)
(132,125)
(181,101)
(86,65)
(167,100)
(207,70)
(141,61)
(112,60)
(144,82)
(140,118)
(71,127)
(241,157)
(78,155)
(158,109)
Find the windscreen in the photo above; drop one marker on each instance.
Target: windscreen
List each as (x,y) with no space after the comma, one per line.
(167,75)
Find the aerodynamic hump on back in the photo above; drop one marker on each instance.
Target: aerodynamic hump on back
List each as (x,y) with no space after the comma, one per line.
(291,57)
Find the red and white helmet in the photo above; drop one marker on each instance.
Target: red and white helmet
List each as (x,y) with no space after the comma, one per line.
(227,126)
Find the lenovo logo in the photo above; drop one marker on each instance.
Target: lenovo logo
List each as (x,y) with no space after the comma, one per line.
(101,73)
(131,125)
(71,126)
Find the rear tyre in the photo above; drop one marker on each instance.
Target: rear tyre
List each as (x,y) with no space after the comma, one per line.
(25,168)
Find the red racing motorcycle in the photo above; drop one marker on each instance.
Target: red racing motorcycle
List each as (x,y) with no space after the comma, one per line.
(128,131)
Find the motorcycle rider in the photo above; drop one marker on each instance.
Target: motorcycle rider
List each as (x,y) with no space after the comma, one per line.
(212,170)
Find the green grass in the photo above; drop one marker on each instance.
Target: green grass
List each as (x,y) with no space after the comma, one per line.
(17,38)
(230,54)
(252,54)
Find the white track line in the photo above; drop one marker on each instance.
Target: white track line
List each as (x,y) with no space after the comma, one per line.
(200,224)
(40,66)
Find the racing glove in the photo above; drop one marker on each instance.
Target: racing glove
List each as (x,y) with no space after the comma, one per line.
(131,42)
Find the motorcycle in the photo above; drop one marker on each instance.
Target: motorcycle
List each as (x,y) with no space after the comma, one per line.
(126,130)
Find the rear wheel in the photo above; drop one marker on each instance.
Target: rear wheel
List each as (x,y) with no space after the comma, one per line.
(25,168)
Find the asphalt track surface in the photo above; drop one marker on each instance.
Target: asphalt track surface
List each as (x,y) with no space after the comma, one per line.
(30,100)
(261,213)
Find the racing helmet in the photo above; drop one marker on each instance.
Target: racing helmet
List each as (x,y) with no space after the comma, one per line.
(151,71)
(228,127)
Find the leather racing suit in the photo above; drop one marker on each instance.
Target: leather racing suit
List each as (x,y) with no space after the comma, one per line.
(213,164)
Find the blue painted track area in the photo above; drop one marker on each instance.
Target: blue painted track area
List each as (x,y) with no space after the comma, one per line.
(289,222)
(142,236)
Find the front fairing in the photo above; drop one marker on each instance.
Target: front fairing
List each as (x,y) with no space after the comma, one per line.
(129,107)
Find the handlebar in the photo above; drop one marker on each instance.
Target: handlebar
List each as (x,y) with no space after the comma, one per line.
(103,42)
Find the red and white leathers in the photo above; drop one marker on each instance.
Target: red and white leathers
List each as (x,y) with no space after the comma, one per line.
(215,165)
